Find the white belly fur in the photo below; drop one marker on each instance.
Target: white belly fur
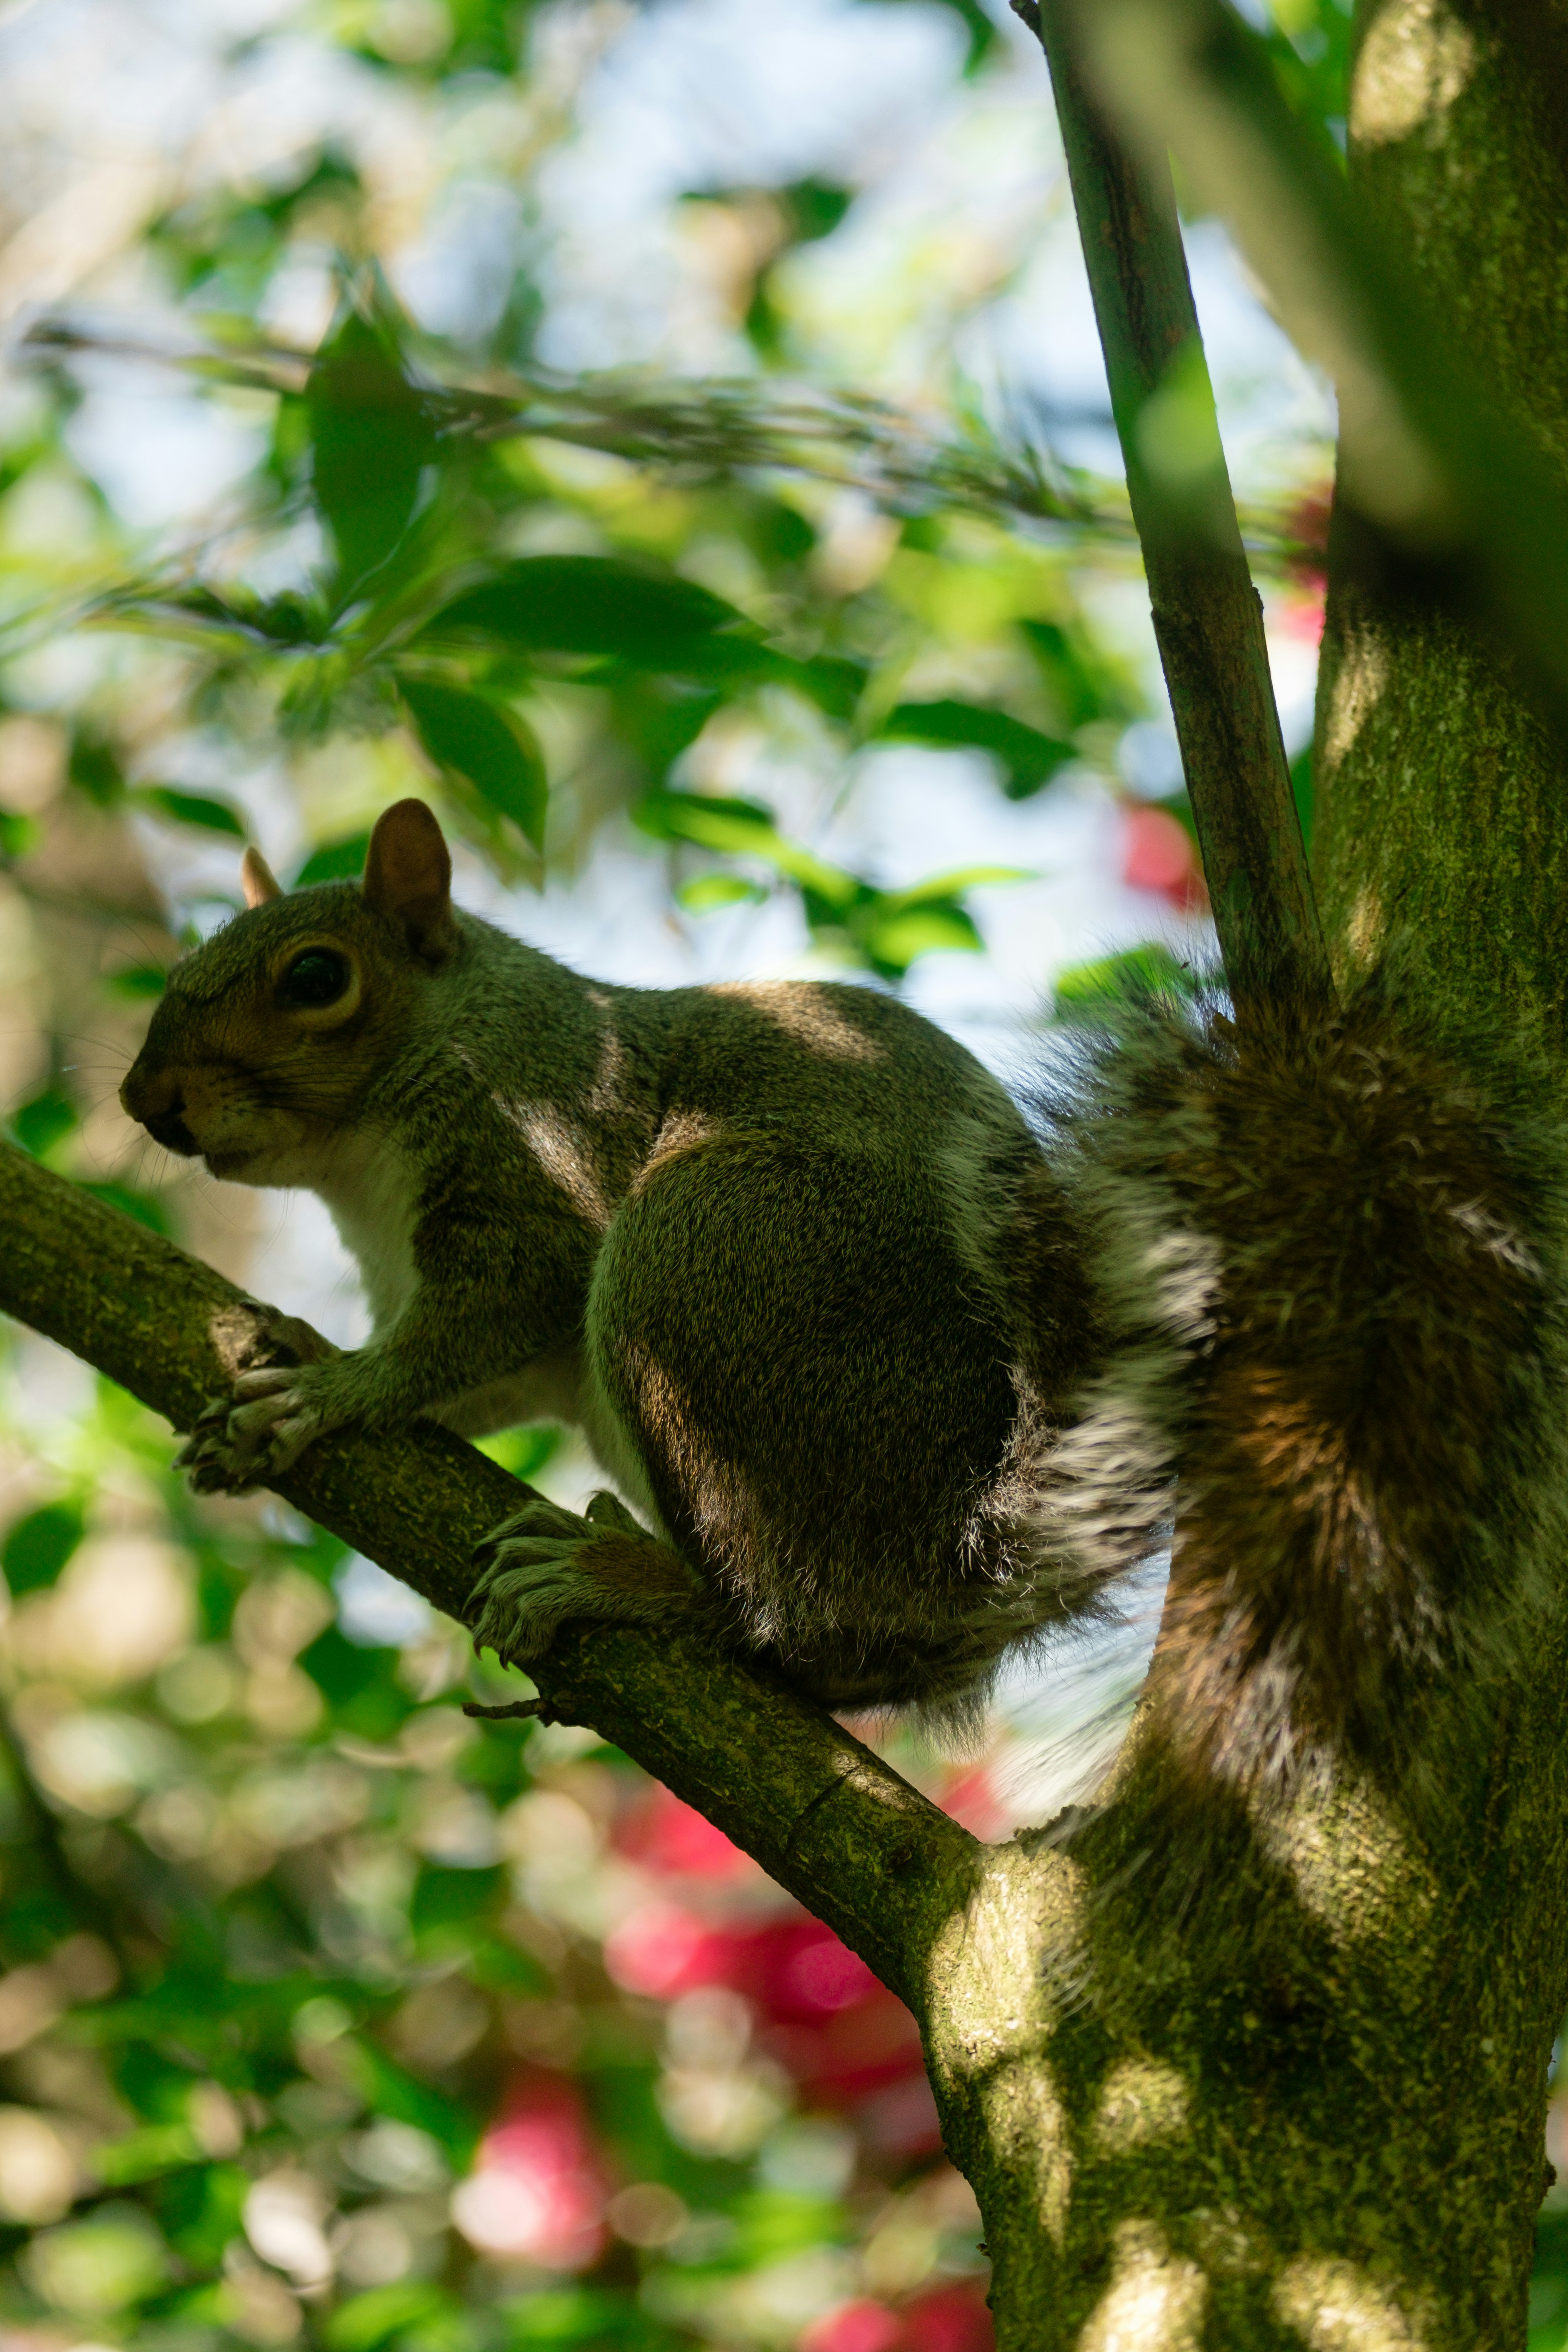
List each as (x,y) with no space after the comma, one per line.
(374,1199)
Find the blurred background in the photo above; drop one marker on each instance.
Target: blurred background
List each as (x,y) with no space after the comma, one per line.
(671,439)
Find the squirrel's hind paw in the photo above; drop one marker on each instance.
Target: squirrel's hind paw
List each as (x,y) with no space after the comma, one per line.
(544,1565)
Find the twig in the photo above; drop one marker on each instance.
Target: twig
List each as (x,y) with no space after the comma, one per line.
(1207,617)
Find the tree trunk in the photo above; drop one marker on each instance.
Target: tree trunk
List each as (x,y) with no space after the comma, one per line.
(1288,2078)
(1440,805)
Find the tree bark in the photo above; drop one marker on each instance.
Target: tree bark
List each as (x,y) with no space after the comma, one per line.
(1305,2060)
(1439,793)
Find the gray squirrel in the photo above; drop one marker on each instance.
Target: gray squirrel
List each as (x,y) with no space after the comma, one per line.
(892,1379)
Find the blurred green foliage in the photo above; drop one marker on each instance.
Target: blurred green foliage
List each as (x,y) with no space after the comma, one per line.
(290,1946)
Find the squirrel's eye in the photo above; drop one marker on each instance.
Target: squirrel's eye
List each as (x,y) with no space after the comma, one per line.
(318,977)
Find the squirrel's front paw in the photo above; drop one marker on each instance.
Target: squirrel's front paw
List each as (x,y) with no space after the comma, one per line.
(251,1437)
(545,1564)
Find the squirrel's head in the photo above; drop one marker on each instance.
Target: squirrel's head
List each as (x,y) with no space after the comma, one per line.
(269,1034)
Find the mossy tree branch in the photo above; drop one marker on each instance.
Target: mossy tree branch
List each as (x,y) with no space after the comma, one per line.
(963,1932)
(824,1816)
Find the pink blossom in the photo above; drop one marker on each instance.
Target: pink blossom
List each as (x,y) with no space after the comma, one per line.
(537,2192)
(854,2327)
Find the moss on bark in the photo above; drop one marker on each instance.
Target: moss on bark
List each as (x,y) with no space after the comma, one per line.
(1441,807)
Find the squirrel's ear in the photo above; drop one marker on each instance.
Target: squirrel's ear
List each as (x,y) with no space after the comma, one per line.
(408,875)
(258,881)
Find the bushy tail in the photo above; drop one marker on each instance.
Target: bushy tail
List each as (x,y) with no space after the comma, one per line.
(1331,1252)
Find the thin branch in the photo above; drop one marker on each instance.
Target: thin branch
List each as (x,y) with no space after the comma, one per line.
(828,1819)
(700,428)
(1207,617)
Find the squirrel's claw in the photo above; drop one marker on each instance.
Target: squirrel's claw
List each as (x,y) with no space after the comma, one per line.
(528,1586)
(253,1435)
(544,1565)
(205,1454)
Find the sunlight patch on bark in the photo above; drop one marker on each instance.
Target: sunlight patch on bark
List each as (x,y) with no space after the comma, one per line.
(1363,932)
(1156,2300)
(1359,685)
(1351,1867)
(1416,63)
(992,2018)
(1142,2101)
(1337,2308)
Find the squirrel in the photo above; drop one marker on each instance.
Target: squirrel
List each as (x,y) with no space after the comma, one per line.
(787,1254)
(894,1379)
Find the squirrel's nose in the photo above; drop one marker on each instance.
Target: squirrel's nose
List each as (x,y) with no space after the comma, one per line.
(157,1099)
(148,1091)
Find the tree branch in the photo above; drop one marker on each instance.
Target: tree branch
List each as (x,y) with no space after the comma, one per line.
(822,1814)
(1207,617)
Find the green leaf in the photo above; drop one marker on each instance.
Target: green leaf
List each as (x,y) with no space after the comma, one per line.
(953,886)
(709,818)
(524,1450)
(143,2155)
(835,685)
(500,1967)
(38,1547)
(145,1207)
(1030,758)
(95,768)
(138,981)
(585,2316)
(388,2090)
(660,717)
(893,944)
(1302,785)
(1096,992)
(187,808)
(591,605)
(201,2209)
(711,890)
(453,1899)
(335,861)
(357,1684)
(369,2319)
(45,1121)
(1082,682)
(371,436)
(743,828)
(487,745)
